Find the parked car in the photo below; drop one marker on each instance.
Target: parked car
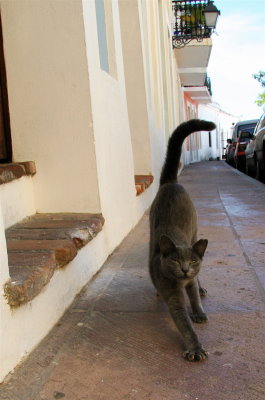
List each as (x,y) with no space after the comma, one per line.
(229,152)
(255,152)
(239,154)
(247,126)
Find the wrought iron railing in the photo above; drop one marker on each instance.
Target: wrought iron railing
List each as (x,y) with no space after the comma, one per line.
(208,84)
(189,22)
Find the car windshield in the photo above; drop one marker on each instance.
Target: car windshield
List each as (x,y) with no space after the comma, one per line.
(248,128)
(245,135)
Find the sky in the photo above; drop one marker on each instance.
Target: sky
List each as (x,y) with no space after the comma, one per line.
(238,52)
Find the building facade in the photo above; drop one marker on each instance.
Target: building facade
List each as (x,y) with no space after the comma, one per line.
(93,89)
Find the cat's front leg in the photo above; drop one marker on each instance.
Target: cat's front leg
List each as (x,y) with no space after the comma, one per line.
(198,315)
(198,354)
(202,291)
(194,350)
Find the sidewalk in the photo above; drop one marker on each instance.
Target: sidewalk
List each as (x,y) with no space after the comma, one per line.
(117,341)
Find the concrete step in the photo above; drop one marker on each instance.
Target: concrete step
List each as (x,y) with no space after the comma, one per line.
(142,182)
(11,171)
(40,244)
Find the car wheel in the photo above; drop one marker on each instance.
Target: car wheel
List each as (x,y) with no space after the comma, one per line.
(259,176)
(240,166)
(243,168)
(257,171)
(249,172)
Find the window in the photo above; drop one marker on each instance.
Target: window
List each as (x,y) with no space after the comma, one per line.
(5,137)
(106,43)
(102,35)
(210,139)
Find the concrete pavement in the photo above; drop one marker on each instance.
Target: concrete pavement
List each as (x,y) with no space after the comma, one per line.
(117,341)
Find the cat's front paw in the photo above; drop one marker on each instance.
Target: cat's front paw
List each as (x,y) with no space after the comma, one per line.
(199,354)
(199,318)
(202,291)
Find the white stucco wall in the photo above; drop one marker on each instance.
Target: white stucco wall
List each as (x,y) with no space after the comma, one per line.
(17,200)
(71,117)
(4,276)
(112,142)
(49,101)
(4,272)
(132,48)
(156,78)
(223,121)
(23,328)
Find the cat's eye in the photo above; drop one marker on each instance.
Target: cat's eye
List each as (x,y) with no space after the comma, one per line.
(193,261)
(175,259)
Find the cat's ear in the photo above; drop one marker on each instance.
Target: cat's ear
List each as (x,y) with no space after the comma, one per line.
(200,247)
(166,245)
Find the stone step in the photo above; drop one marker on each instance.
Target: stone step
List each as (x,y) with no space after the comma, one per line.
(11,171)
(142,182)
(63,250)
(40,244)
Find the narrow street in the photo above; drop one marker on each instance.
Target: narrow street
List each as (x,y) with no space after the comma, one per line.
(118,342)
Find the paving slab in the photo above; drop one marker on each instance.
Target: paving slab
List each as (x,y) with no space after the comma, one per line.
(117,340)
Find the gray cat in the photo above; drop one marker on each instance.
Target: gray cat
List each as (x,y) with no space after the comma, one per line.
(175,254)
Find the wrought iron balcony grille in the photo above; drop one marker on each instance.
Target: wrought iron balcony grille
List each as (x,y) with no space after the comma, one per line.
(189,22)
(208,84)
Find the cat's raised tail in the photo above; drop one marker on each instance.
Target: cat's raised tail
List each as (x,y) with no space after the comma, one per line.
(170,169)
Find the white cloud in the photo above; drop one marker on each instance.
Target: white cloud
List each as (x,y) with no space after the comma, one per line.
(237,53)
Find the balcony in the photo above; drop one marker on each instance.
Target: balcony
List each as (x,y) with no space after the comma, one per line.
(200,94)
(190,22)
(192,61)
(191,41)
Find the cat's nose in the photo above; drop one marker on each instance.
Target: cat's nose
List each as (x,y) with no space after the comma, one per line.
(185,268)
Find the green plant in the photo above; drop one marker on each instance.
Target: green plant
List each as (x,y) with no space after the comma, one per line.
(260,77)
